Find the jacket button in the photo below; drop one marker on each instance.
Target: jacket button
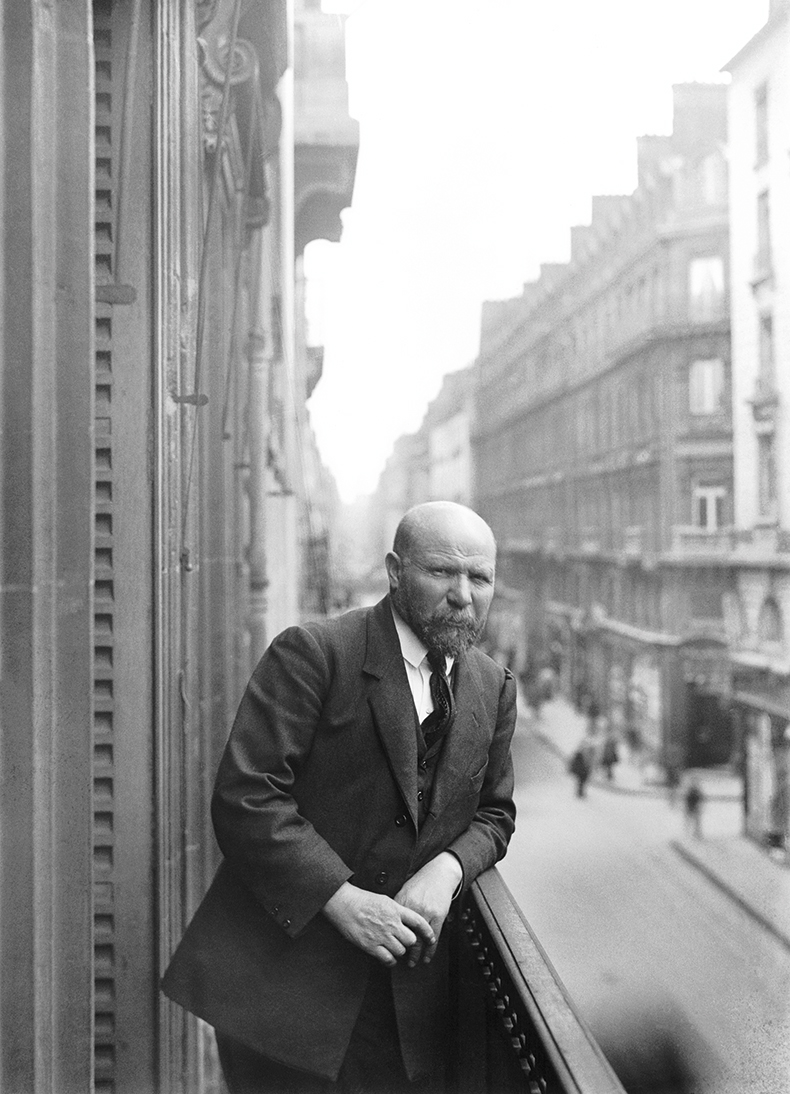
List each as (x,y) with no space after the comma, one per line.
(423,764)
(419,795)
(382,878)
(400,820)
(276,909)
(286,923)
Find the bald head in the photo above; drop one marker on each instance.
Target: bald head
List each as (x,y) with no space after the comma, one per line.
(441,574)
(440,521)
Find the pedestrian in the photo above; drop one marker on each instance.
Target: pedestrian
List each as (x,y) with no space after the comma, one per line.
(672,783)
(579,766)
(547,682)
(609,755)
(366,782)
(693,800)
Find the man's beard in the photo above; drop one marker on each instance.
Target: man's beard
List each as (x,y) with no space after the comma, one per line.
(447,633)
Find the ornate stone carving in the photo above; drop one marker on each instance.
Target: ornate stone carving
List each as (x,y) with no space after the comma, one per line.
(753,587)
(205,11)
(215,35)
(734,619)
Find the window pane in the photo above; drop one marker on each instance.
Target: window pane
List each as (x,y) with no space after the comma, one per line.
(763,230)
(766,347)
(761,124)
(767,473)
(706,386)
(706,288)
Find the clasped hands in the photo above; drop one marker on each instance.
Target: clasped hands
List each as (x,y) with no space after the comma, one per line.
(407,925)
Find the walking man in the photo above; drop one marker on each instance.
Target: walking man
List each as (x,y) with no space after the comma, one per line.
(693,801)
(367,781)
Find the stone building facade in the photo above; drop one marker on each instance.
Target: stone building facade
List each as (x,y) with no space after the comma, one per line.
(759,550)
(153,399)
(603,447)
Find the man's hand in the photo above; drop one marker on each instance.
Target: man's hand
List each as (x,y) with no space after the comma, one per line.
(376,924)
(430,892)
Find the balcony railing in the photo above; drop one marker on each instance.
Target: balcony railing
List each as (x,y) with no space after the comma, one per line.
(689,539)
(632,539)
(516,1028)
(765,399)
(743,544)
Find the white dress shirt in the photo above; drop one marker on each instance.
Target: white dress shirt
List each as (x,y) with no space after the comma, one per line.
(418,671)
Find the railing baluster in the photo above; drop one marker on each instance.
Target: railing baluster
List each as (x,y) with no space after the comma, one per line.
(537,1041)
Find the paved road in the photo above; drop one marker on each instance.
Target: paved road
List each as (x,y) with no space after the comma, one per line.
(649,949)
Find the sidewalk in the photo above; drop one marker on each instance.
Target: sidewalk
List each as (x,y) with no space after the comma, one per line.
(759,884)
(562,727)
(748,875)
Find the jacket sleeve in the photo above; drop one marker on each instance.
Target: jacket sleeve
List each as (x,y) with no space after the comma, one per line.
(273,849)
(485,840)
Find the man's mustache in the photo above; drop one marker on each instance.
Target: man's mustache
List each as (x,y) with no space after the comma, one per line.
(457,618)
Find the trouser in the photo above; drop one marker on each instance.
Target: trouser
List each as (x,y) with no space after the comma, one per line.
(372,1065)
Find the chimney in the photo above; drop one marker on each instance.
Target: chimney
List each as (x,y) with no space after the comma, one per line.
(606,209)
(699,119)
(580,241)
(651,151)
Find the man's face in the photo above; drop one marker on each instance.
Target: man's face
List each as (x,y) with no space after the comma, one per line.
(443,587)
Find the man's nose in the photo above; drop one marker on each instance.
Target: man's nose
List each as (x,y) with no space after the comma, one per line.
(460,592)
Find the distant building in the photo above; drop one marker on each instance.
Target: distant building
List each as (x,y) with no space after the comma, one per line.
(433,464)
(326,142)
(603,448)
(447,425)
(402,483)
(150,489)
(759,604)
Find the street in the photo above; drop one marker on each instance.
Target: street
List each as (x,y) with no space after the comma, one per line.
(657,959)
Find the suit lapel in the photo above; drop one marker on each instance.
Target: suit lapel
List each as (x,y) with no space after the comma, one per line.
(462,742)
(391,702)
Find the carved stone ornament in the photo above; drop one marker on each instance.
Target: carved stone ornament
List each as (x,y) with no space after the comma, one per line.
(214,43)
(205,11)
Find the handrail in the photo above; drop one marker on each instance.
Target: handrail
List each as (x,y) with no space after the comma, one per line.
(536,1041)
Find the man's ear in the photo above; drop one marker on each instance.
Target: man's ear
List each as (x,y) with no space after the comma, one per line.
(394,568)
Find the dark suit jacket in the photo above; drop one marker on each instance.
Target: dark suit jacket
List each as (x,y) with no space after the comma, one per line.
(317,786)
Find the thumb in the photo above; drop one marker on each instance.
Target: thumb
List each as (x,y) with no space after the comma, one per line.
(419,925)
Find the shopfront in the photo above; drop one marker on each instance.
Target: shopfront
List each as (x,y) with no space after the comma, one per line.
(764,729)
(710,738)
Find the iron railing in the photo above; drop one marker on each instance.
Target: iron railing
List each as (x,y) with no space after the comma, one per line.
(516,1028)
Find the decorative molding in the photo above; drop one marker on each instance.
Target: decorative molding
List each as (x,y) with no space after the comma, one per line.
(214,42)
(205,10)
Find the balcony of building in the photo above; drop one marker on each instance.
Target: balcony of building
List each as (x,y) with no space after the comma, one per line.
(691,540)
(762,544)
(633,540)
(765,399)
(326,137)
(515,1027)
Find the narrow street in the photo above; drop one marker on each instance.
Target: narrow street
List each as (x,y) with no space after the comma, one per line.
(650,950)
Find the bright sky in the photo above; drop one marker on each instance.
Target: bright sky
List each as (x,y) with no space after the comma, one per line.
(485,127)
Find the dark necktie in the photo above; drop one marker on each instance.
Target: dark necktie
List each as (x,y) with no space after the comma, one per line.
(440,719)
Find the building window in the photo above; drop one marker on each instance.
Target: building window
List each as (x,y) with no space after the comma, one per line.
(766,349)
(706,386)
(763,257)
(713,179)
(706,288)
(761,125)
(767,476)
(705,597)
(709,507)
(769,627)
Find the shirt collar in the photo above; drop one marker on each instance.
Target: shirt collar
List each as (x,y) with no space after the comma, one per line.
(412,648)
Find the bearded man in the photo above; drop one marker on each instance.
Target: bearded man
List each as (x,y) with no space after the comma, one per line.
(366,782)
